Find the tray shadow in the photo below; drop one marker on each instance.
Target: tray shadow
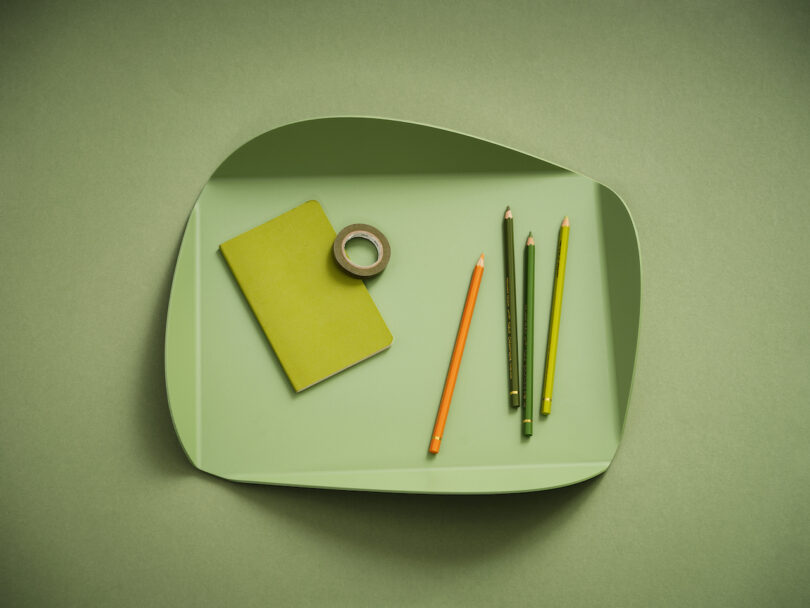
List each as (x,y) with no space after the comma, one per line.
(156,429)
(438,529)
(623,265)
(359,146)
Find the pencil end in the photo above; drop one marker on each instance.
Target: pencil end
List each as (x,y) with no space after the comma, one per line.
(508,214)
(530,240)
(481,261)
(565,221)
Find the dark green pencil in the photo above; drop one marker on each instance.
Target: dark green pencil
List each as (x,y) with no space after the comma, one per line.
(528,338)
(511,310)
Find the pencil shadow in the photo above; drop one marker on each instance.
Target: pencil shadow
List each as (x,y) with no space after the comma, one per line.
(438,529)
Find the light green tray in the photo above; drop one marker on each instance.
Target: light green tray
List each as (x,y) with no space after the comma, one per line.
(439,197)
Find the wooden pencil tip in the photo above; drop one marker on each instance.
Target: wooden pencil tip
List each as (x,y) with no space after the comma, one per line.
(566,222)
(508,214)
(530,240)
(480,260)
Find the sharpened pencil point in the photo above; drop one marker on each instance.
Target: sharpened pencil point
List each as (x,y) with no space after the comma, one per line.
(480,260)
(566,222)
(508,214)
(530,240)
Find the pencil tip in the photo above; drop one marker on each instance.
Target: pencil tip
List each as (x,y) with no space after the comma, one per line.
(566,222)
(508,214)
(480,260)
(530,240)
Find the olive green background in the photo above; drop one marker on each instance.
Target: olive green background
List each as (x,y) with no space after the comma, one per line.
(114,115)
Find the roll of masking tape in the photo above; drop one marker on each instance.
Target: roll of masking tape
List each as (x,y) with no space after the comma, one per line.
(362,231)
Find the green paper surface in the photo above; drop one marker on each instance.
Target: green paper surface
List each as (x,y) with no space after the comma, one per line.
(318,319)
(115,115)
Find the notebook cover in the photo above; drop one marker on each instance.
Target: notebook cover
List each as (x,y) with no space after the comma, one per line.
(318,319)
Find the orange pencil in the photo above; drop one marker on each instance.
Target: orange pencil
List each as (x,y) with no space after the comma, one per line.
(455,360)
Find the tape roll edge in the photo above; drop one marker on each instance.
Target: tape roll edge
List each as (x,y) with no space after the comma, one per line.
(361,231)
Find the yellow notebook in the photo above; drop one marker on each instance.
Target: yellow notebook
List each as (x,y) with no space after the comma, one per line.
(318,319)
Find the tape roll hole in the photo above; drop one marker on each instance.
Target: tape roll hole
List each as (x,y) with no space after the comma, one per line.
(363,249)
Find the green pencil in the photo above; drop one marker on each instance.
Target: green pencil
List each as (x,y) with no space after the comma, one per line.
(528,339)
(554,321)
(511,310)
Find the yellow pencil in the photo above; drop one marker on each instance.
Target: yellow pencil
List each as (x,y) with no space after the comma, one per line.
(554,321)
